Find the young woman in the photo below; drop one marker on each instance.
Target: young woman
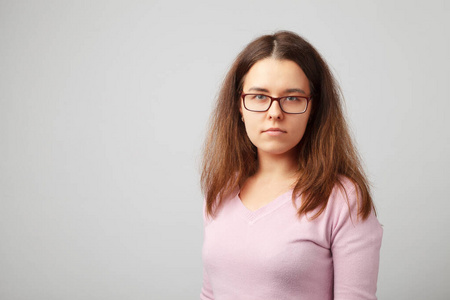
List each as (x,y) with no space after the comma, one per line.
(288,212)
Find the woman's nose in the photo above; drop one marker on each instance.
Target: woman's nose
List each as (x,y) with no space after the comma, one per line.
(275,111)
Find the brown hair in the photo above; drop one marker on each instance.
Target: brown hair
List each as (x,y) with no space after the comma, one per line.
(325,153)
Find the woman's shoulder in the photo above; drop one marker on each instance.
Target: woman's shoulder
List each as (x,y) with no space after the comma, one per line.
(345,199)
(345,183)
(218,208)
(347,223)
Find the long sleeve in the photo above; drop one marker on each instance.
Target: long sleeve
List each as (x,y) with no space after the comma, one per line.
(271,253)
(355,250)
(206,292)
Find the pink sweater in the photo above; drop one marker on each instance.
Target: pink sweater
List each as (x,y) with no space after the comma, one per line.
(271,254)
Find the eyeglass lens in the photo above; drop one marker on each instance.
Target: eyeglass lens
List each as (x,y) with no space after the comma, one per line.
(289,104)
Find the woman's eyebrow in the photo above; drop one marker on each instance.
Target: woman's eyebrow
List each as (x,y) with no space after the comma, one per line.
(295,91)
(258,89)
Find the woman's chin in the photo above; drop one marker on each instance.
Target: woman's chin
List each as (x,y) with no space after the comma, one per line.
(275,151)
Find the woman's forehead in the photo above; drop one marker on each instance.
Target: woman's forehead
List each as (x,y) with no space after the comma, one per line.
(272,75)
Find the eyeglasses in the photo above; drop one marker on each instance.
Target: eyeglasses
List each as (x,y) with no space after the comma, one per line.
(288,104)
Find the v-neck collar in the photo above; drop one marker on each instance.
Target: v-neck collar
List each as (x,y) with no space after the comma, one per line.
(251,216)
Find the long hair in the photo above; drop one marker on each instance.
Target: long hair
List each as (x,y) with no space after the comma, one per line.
(326,152)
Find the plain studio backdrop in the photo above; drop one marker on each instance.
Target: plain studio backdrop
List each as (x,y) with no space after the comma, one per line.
(104,108)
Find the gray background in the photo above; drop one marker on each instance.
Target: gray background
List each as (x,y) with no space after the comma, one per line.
(103,111)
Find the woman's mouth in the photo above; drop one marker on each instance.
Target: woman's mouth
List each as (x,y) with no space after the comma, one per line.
(274,131)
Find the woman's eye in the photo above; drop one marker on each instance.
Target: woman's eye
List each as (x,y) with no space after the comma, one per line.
(260,97)
(292,98)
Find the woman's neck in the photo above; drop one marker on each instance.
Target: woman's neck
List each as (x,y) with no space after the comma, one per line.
(274,167)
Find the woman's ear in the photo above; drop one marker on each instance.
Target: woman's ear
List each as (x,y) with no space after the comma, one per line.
(310,114)
(240,112)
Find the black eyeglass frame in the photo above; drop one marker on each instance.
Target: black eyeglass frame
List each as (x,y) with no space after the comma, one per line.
(279,103)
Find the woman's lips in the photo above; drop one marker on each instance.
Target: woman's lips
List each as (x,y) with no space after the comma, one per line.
(274,131)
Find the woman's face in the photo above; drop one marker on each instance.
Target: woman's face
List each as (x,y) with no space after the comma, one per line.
(274,131)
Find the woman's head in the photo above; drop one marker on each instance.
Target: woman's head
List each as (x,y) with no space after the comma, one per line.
(281,46)
(275,106)
(324,148)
